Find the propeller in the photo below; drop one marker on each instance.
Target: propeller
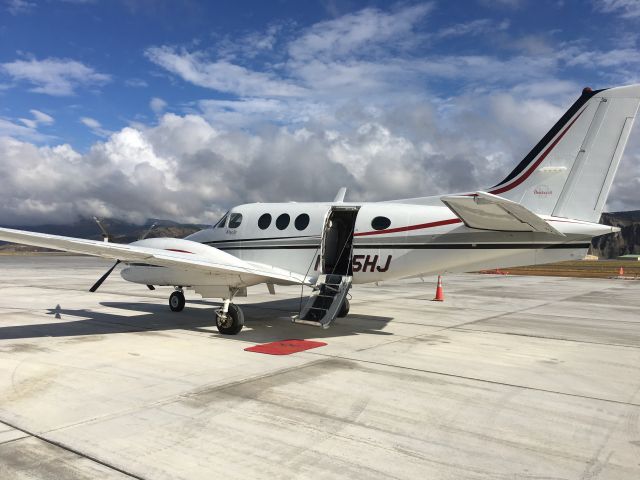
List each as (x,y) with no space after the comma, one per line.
(103,277)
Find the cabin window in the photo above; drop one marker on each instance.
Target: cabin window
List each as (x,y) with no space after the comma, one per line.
(282,221)
(235,220)
(380,223)
(222,221)
(264,221)
(302,221)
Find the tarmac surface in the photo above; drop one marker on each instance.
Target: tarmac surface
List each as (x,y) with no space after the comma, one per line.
(509,378)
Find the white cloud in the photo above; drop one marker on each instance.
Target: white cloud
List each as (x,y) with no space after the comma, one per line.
(54,76)
(624,8)
(357,32)
(188,169)
(157,105)
(26,131)
(513,4)
(90,122)
(95,126)
(42,117)
(220,75)
(338,106)
(17,7)
(474,27)
(29,130)
(136,83)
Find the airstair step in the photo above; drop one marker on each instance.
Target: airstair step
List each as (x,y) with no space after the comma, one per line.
(325,301)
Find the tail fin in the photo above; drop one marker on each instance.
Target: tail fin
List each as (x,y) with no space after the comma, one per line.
(570,171)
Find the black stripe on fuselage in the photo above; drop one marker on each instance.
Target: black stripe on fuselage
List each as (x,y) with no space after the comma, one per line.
(424,246)
(234,240)
(533,154)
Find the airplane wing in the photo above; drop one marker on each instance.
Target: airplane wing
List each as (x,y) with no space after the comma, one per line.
(490,212)
(192,255)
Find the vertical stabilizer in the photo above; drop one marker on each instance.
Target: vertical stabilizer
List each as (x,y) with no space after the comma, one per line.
(570,171)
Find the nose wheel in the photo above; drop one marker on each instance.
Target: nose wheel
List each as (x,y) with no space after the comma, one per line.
(229,319)
(176,301)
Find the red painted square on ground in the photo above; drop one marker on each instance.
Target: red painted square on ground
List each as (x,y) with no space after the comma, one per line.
(285,347)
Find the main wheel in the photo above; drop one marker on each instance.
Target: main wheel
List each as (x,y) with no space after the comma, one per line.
(176,301)
(232,323)
(344,309)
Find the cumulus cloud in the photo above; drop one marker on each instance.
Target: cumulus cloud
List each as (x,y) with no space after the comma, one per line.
(337,106)
(187,169)
(54,76)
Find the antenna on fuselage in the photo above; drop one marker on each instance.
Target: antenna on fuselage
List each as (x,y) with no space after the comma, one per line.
(340,195)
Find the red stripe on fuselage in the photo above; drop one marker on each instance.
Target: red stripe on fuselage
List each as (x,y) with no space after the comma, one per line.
(177,250)
(524,176)
(451,221)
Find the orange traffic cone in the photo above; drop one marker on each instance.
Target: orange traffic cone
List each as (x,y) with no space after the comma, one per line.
(621,272)
(439,292)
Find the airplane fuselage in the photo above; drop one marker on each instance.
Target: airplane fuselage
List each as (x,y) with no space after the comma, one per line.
(390,241)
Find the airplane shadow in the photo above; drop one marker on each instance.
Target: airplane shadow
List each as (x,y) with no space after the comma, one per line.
(267,322)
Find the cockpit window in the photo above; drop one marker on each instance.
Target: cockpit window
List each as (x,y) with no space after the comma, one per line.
(235,219)
(221,223)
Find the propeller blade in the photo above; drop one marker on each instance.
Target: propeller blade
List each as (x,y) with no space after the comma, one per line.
(103,277)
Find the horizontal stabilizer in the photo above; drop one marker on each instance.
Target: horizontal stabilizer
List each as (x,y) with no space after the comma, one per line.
(490,212)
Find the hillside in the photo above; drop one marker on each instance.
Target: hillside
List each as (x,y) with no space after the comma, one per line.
(624,242)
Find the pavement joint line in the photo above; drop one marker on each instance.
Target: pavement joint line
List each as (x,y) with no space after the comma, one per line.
(72,450)
(631,322)
(470,330)
(24,435)
(475,379)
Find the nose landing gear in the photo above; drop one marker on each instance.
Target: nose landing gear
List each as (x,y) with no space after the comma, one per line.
(229,318)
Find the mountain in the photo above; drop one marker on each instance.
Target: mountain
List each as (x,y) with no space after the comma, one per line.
(622,243)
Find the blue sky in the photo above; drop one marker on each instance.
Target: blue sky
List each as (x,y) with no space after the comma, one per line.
(179,109)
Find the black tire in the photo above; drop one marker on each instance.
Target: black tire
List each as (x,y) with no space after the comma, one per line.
(176,301)
(344,309)
(233,323)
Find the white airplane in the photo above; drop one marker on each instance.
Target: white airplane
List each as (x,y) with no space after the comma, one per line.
(545,210)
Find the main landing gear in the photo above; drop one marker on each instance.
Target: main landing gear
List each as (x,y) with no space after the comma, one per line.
(344,309)
(177,301)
